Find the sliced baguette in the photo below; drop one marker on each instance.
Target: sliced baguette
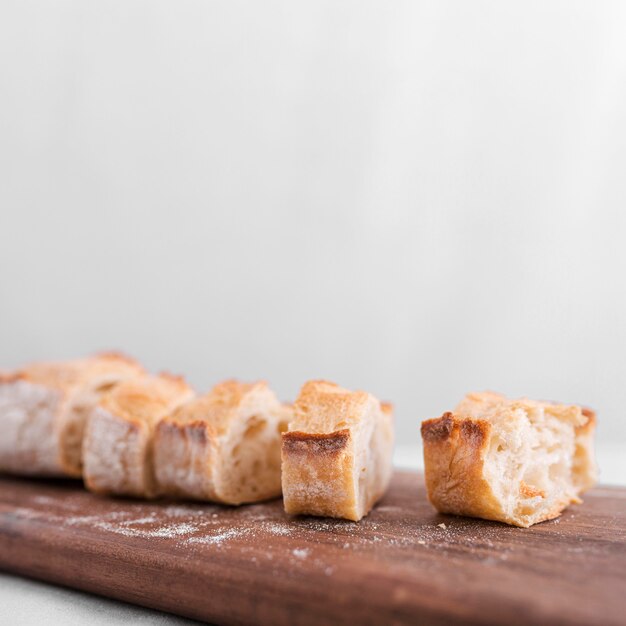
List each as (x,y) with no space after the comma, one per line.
(336,456)
(43,410)
(224,446)
(516,461)
(117,448)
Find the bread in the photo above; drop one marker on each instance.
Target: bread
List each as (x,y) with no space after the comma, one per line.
(515,461)
(224,446)
(117,448)
(43,408)
(336,456)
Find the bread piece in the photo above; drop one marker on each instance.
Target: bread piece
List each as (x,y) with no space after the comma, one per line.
(336,456)
(584,468)
(43,408)
(514,461)
(224,446)
(117,449)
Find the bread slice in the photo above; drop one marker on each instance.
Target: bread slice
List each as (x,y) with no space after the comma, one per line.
(224,446)
(43,409)
(117,449)
(514,461)
(336,456)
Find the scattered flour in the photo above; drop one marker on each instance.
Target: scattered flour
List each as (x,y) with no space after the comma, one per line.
(185,511)
(43,500)
(173,530)
(83,519)
(301,553)
(258,529)
(169,530)
(231,533)
(150,519)
(275,529)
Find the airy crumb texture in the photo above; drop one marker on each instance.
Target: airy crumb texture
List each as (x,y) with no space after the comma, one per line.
(224,446)
(336,456)
(44,407)
(515,461)
(117,448)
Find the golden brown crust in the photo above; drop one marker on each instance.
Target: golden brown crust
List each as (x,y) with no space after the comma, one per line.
(219,408)
(590,424)
(438,429)
(387,408)
(336,456)
(146,398)
(318,444)
(50,403)
(454,453)
(224,446)
(115,355)
(66,376)
(117,448)
(584,467)
(455,449)
(323,406)
(11,377)
(318,475)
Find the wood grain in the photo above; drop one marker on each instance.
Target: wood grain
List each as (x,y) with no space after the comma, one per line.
(255,565)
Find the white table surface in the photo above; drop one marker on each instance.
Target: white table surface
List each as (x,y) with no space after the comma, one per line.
(26,602)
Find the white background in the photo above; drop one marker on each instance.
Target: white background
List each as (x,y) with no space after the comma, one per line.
(414,198)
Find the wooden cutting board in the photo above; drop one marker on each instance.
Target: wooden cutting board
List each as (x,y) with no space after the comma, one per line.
(404,564)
